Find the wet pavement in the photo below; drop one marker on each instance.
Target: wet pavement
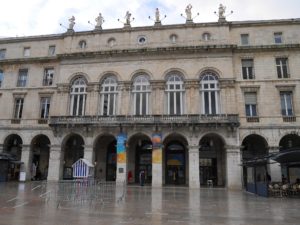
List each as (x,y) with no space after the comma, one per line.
(26,204)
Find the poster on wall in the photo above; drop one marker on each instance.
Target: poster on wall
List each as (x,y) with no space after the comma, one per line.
(121,147)
(157,148)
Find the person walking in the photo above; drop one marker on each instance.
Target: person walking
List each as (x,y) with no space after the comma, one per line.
(142,177)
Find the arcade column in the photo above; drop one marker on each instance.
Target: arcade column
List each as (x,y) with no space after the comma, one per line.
(194,179)
(274,167)
(26,159)
(157,160)
(234,169)
(55,168)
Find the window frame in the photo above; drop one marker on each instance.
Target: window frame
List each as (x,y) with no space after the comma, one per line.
(26,52)
(210,91)
(2,53)
(22,78)
(175,92)
(246,74)
(1,77)
(253,107)
(45,107)
(78,95)
(48,81)
(51,50)
(141,90)
(18,107)
(284,102)
(282,67)
(244,39)
(278,38)
(108,96)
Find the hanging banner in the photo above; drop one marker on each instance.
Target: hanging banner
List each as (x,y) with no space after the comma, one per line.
(157,148)
(121,147)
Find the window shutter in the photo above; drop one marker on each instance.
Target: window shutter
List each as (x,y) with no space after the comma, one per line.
(250,98)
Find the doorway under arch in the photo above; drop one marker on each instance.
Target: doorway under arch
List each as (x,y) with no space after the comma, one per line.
(105,157)
(13,146)
(40,149)
(212,160)
(290,171)
(175,160)
(73,150)
(254,146)
(139,158)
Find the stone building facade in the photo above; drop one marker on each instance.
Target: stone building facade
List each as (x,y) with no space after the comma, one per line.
(185,103)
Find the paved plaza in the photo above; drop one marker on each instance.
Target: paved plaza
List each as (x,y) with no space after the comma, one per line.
(23,204)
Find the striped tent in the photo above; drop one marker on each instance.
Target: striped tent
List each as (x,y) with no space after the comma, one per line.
(83,168)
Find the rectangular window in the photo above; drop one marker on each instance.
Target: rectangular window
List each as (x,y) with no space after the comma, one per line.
(18,109)
(48,77)
(282,67)
(286,103)
(1,77)
(251,104)
(2,53)
(22,78)
(278,38)
(51,50)
(45,107)
(245,39)
(26,51)
(247,69)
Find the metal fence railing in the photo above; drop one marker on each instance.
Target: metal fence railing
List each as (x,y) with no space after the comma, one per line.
(81,192)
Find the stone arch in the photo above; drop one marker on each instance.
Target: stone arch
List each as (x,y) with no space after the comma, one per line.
(175,159)
(105,153)
(74,76)
(72,150)
(181,72)
(141,72)
(40,152)
(106,74)
(289,141)
(212,159)
(139,157)
(214,70)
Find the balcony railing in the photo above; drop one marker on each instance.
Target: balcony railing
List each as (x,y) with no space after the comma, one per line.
(231,119)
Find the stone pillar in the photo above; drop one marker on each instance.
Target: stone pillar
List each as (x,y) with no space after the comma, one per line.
(157,160)
(88,153)
(274,167)
(1,148)
(26,158)
(194,179)
(55,170)
(234,169)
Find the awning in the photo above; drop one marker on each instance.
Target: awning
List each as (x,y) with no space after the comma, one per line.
(288,156)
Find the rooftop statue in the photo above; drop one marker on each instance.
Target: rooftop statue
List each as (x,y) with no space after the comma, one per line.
(72,23)
(157,19)
(188,11)
(222,9)
(127,17)
(99,20)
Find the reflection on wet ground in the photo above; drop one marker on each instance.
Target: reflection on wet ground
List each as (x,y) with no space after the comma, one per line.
(31,204)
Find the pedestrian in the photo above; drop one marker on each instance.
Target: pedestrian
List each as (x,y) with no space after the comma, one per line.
(142,177)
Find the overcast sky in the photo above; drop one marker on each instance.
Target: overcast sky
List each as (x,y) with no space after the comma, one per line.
(36,17)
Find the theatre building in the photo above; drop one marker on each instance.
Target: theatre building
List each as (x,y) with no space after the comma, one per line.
(186,103)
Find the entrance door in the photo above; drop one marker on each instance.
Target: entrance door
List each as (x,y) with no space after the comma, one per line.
(175,166)
(208,170)
(143,162)
(111,162)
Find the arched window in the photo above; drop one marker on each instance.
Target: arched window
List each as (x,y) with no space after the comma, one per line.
(141,93)
(209,90)
(175,94)
(78,97)
(108,96)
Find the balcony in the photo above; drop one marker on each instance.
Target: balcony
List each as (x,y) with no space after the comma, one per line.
(221,119)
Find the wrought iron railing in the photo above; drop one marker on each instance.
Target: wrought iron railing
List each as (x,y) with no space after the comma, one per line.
(149,119)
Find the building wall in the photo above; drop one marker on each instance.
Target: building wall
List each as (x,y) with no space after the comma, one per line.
(190,55)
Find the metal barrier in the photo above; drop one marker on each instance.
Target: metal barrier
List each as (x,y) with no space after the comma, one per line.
(82,192)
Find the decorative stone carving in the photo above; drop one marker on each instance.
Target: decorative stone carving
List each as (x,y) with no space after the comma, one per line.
(99,21)
(72,23)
